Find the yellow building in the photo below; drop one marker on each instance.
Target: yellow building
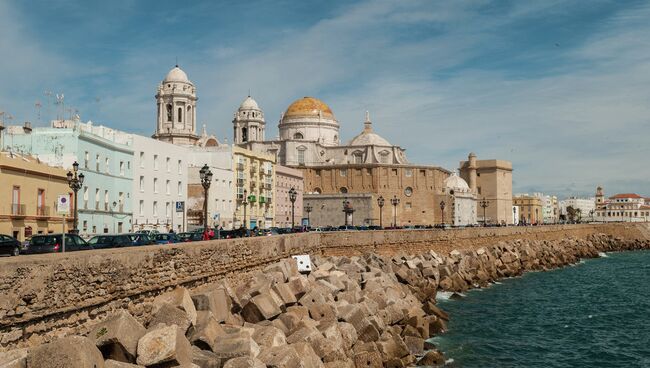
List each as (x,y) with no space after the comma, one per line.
(530,208)
(254,188)
(28,192)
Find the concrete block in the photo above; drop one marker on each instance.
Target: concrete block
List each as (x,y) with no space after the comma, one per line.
(366,359)
(311,298)
(206,331)
(269,336)
(284,356)
(234,347)
(169,315)
(71,351)
(244,362)
(261,307)
(216,301)
(117,364)
(117,336)
(205,359)
(164,344)
(307,355)
(179,298)
(323,312)
(414,344)
(14,358)
(286,295)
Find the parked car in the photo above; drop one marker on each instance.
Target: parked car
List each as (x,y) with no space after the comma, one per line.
(138,239)
(9,245)
(347,228)
(151,233)
(110,241)
(53,243)
(190,237)
(165,238)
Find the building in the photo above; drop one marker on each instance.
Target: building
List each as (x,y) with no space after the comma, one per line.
(530,208)
(626,207)
(550,208)
(577,209)
(254,188)
(105,157)
(285,179)
(328,210)
(221,194)
(491,180)
(31,189)
(160,174)
(460,204)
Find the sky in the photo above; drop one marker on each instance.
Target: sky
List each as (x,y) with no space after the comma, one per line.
(561,88)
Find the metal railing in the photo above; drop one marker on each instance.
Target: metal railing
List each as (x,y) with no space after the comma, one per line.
(17,209)
(240,166)
(42,210)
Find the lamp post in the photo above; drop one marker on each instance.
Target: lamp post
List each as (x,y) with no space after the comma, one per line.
(244,202)
(75,182)
(380,203)
(347,210)
(206,179)
(484,204)
(394,201)
(514,215)
(442,211)
(308,209)
(292,197)
(591,214)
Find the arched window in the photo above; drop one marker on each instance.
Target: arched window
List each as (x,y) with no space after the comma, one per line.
(343,190)
(169,112)
(180,115)
(244,135)
(384,157)
(298,136)
(301,155)
(189,114)
(357,157)
(318,190)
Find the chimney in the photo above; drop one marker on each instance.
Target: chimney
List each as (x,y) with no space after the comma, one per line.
(27,127)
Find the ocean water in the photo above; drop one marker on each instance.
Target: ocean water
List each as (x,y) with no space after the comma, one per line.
(594,314)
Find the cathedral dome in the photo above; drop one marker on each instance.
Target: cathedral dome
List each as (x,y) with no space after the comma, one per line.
(309,107)
(369,139)
(249,104)
(456,183)
(177,75)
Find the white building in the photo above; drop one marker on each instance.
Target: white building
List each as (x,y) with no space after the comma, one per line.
(585,205)
(159,183)
(463,201)
(626,207)
(550,208)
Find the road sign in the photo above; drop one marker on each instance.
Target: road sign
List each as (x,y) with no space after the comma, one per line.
(216,216)
(63,204)
(180,206)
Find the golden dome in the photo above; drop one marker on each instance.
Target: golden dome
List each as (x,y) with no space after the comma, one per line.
(309,106)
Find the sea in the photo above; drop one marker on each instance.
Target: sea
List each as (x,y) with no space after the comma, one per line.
(593,314)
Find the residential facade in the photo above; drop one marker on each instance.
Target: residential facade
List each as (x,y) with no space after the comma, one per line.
(622,207)
(105,157)
(30,190)
(530,208)
(254,175)
(583,208)
(550,208)
(285,179)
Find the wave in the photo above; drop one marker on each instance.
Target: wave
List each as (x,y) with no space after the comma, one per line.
(602,255)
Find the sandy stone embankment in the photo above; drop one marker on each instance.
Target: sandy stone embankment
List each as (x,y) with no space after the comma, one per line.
(350,311)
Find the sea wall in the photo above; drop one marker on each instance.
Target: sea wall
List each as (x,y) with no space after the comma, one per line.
(46,296)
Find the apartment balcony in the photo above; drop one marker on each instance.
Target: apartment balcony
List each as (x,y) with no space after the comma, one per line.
(18,210)
(253,168)
(241,182)
(253,184)
(267,185)
(42,211)
(240,167)
(268,200)
(105,206)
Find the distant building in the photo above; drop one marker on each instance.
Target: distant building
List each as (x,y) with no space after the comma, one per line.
(30,190)
(460,203)
(550,208)
(491,180)
(583,208)
(626,207)
(285,179)
(105,157)
(530,208)
(254,188)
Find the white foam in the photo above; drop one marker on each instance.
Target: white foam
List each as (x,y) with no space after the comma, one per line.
(449,361)
(444,295)
(602,255)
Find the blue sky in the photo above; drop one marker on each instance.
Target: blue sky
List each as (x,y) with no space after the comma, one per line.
(560,88)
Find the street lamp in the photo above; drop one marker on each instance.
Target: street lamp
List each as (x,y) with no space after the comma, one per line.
(75,182)
(380,203)
(536,216)
(244,202)
(591,214)
(394,201)
(514,215)
(347,210)
(292,197)
(442,210)
(484,204)
(308,209)
(206,179)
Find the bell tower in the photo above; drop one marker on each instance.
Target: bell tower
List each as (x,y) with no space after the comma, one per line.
(176,113)
(248,123)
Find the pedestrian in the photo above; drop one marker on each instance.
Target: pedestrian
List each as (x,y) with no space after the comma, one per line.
(211,234)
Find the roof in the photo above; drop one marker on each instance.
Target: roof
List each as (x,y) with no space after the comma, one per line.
(249,104)
(309,106)
(625,195)
(177,75)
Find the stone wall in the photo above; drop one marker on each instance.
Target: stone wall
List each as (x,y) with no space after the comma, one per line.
(51,295)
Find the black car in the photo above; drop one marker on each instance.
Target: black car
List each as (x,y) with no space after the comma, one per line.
(189,237)
(9,245)
(138,239)
(165,238)
(110,241)
(52,243)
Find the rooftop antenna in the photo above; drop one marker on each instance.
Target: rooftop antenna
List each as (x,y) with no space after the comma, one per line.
(60,100)
(249,92)
(38,106)
(177,61)
(48,95)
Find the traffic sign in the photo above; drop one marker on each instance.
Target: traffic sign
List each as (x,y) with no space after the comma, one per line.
(180,206)
(63,204)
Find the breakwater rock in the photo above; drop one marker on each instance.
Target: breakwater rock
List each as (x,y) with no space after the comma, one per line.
(362,311)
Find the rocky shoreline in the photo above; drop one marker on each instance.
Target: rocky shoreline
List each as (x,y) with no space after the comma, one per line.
(365,311)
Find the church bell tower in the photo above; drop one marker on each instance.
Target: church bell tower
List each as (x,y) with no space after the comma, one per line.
(248,123)
(176,99)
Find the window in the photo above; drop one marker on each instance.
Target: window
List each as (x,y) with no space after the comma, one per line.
(121,168)
(97,163)
(141,207)
(107,165)
(180,188)
(168,211)
(180,115)
(317,172)
(408,173)
(408,191)
(85,196)
(408,205)
(106,200)
(301,156)
(343,190)
(383,157)
(168,164)
(97,198)
(155,162)
(128,165)
(298,136)
(167,186)
(343,172)
(169,111)
(155,208)
(180,166)
(142,183)
(141,159)
(155,185)
(86,159)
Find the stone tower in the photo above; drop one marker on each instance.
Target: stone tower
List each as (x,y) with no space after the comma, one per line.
(471,159)
(176,98)
(248,123)
(600,197)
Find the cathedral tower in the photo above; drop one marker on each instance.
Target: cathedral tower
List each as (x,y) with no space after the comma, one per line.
(248,123)
(176,98)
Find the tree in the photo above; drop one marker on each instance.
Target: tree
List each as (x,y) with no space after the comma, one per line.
(571,212)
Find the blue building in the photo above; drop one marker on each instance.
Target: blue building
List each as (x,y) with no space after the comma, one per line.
(105,157)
